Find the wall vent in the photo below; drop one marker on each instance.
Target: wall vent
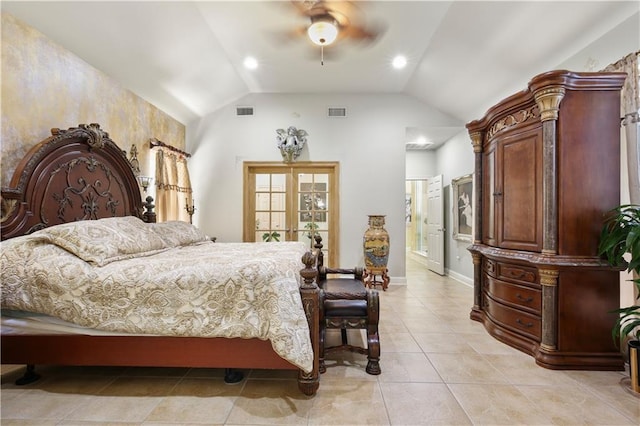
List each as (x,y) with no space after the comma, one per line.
(244,110)
(336,112)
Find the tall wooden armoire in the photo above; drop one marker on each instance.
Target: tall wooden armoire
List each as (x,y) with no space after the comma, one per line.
(547,170)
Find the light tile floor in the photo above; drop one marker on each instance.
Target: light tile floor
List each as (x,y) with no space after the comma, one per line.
(438,367)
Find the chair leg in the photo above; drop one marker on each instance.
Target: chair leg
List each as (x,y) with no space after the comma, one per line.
(373,355)
(343,335)
(373,338)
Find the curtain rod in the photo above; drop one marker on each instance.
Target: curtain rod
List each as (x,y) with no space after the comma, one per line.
(153,142)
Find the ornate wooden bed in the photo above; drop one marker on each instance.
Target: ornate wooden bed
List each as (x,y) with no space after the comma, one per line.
(96,181)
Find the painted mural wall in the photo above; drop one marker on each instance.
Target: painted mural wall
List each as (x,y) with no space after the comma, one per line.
(45,86)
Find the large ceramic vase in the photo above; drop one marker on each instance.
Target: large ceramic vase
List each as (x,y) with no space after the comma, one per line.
(376,246)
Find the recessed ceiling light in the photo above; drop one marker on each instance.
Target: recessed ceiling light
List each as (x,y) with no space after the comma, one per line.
(250,63)
(399,62)
(422,141)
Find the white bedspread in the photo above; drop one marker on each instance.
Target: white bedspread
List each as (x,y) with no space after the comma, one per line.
(176,285)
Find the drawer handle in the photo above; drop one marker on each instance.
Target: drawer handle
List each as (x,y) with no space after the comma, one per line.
(528,325)
(522,299)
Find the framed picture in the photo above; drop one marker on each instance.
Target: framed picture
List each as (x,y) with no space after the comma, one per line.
(462,202)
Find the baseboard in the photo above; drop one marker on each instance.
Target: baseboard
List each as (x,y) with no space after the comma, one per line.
(459,277)
(397,281)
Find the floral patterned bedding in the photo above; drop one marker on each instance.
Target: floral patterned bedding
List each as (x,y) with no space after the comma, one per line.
(122,275)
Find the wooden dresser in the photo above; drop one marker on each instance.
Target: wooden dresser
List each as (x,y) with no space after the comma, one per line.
(547,169)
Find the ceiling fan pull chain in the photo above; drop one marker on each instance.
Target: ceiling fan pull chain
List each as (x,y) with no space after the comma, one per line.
(322,55)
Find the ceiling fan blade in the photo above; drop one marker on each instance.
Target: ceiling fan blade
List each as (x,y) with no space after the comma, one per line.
(286,37)
(368,34)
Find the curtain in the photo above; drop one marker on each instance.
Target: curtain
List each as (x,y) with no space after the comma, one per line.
(630,107)
(173,187)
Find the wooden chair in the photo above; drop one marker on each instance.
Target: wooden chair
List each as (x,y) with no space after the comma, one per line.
(345,303)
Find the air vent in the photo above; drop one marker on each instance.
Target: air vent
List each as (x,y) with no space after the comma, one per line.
(337,112)
(244,110)
(417,146)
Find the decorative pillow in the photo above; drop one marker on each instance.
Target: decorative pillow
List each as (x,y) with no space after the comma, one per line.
(176,233)
(106,240)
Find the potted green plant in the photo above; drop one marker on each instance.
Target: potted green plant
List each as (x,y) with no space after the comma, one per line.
(311,231)
(271,236)
(620,237)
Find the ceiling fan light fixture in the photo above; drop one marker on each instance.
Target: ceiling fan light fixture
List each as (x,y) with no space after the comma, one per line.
(323,31)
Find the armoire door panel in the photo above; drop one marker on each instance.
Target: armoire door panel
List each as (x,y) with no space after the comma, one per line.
(520,217)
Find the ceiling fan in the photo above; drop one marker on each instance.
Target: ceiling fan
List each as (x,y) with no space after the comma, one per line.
(332,21)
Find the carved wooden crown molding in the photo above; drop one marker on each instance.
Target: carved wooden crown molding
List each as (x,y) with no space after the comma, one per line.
(513,120)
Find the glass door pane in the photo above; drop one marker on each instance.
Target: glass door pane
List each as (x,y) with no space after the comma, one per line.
(313,207)
(270,207)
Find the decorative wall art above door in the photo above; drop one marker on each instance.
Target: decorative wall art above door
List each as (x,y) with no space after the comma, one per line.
(291,142)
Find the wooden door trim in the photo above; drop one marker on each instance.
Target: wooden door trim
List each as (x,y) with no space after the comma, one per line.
(330,167)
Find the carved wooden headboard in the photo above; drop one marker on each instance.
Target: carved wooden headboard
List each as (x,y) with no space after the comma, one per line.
(75,174)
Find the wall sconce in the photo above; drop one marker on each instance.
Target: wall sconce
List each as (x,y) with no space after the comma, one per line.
(145,181)
(191,209)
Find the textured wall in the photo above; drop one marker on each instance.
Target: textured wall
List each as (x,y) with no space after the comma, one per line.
(45,86)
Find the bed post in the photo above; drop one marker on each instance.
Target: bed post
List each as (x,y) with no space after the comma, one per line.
(308,382)
(149,215)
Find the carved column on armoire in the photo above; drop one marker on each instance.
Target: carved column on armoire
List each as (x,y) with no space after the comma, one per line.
(549,284)
(477,141)
(548,101)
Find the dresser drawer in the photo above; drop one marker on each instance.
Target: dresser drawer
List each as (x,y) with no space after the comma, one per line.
(516,273)
(489,266)
(521,297)
(522,322)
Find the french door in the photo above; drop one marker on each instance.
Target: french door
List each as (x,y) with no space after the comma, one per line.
(292,202)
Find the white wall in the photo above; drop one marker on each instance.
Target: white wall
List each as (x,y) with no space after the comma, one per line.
(368,143)
(455,159)
(420,164)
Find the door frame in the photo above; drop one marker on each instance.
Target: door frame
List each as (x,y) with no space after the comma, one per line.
(332,168)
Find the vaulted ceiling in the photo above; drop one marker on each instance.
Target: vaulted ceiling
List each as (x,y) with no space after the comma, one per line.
(186,57)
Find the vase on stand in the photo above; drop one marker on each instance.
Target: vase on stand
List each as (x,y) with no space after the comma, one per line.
(376,253)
